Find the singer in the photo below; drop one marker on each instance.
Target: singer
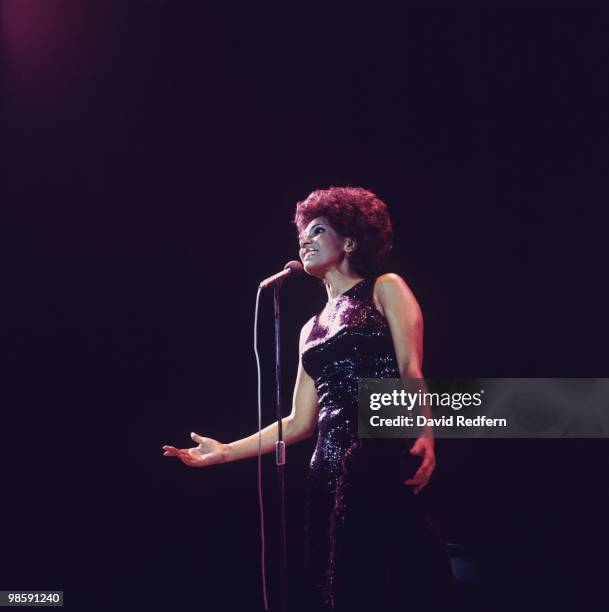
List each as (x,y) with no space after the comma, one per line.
(369,544)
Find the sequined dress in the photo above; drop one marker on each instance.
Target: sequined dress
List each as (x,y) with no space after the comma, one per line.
(368,544)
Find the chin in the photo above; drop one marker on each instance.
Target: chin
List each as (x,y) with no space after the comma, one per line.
(312,270)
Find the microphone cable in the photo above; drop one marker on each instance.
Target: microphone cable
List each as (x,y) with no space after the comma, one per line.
(260,498)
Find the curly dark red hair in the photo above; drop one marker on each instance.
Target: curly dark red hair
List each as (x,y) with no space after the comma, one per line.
(356,213)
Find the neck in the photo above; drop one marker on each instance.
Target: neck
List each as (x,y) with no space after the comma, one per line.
(337,283)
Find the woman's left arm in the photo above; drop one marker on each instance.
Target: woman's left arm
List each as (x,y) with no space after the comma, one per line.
(397,304)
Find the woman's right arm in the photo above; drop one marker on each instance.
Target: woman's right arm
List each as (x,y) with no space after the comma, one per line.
(300,424)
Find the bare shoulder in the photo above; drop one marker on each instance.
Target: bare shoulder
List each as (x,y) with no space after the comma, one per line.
(389,280)
(391,292)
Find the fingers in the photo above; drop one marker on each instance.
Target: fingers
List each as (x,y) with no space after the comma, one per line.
(417,450)
(422,475)
(417,479)
(417,484)
(185,455)
(171,451)
(180,453)
(196,437)
(422,448)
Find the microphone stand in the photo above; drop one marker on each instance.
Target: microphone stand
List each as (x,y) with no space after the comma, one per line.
(292,268)
(280,461)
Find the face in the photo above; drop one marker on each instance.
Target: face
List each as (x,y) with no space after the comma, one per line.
(321,247)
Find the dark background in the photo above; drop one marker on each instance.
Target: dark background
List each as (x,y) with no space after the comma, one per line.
(153,155)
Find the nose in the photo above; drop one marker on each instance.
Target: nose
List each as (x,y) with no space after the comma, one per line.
(304,242)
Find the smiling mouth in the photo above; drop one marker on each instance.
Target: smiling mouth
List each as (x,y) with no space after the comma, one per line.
(308,254)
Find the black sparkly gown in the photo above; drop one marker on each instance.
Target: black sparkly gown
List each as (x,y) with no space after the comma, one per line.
(369,545)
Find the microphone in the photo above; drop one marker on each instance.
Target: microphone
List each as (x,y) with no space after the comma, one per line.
(292,268)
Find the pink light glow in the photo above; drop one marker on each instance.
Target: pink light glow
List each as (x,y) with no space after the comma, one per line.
(41,44)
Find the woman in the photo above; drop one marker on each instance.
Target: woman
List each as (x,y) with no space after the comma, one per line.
(368,544)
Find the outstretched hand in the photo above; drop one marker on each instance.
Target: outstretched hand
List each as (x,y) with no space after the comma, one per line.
(423,447)
(207,452)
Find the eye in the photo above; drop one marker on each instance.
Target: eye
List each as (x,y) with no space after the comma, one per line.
(318,229)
